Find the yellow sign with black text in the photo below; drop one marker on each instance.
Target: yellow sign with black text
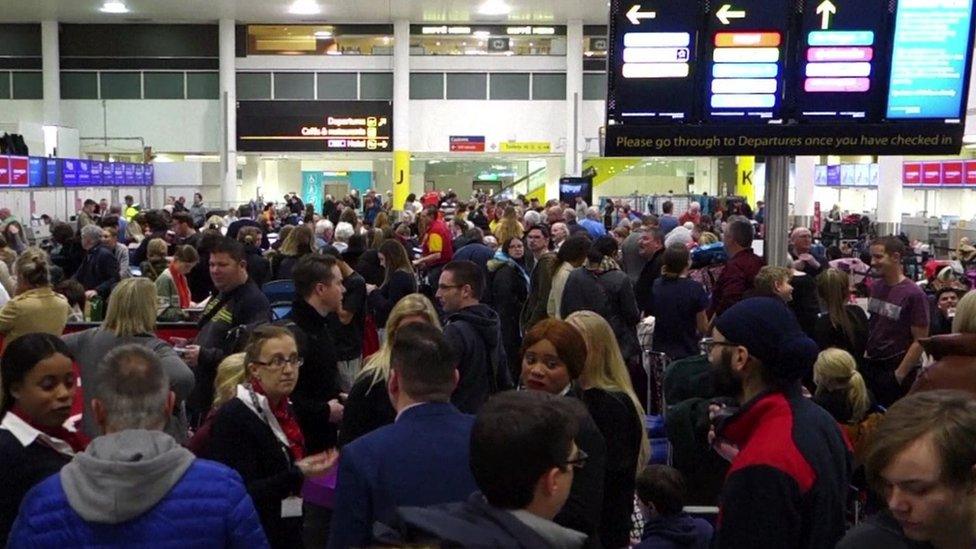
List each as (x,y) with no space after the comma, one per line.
(532,147)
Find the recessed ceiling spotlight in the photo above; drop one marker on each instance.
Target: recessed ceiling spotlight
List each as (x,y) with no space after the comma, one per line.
(113,6)
(495,7)
(323,34)
(304,7)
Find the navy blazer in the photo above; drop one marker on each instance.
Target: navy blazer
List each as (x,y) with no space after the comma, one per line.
(420,460)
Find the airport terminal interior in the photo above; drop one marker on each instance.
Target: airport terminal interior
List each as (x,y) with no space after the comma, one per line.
(488,273)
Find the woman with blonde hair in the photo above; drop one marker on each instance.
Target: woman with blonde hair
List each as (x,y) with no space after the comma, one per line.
(298,244)
(130,318)
(842,392)
(509,227)
(368,406)
(610,398)
(231,372)
(35,307)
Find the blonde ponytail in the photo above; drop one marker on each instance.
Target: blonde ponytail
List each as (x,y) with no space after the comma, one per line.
(857,394)
(836,370)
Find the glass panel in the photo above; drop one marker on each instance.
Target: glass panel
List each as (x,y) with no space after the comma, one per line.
(467,85)
(294,85)
(595,47)
(253,85)
(594,86)
(510,86)
(121,85)
(4,85)
(487,41)
(319,40)
(377,86)
(336,85)
(548,87)
(79,85)
(425,85)
(202,85)
(163,85)
(27,85)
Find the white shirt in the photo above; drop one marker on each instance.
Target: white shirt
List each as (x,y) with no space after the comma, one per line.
(26,435)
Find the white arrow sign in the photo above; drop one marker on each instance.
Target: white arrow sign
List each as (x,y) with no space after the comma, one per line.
(725,13)
(826,9)
(635,14)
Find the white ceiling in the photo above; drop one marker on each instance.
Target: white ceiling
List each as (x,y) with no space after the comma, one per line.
(553,12)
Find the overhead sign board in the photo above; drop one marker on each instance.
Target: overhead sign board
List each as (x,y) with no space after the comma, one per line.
(785,77)
(467,143)
(655,78)
(315,126)
(530,147)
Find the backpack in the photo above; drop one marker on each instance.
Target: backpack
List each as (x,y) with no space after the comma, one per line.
(709,254)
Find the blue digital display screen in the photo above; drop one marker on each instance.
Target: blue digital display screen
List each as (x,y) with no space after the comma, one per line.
(130,174)
(84,173)
(96,173)
(140,177)
(69,172)
(36,172)
(108,173)
(119,170)
(53,168)
(150,174)
(929,59)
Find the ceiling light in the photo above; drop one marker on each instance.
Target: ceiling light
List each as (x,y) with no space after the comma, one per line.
(323,34)
(113,6)
(481,34)
(304,7)
(494,7)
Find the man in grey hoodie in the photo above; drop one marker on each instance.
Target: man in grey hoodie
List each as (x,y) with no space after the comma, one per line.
(134,485)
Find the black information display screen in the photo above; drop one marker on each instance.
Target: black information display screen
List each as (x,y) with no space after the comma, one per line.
(656,49)
(747,50)
(314,126)
(843,52)
(788,77)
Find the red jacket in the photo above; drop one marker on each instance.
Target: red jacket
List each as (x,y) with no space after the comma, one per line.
(439,228)
(736,279)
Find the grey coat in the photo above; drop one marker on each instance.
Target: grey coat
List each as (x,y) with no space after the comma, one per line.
(90,346)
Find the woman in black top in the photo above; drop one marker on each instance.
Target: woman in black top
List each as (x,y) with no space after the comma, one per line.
(369,264)
(257,435)
(399,281)
(508,289)
(844,325)
(610,398)
(38,388)
(368,405)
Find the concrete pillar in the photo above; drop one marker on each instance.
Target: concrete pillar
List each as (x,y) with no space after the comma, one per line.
(401,114)
(574,97)
(777,209)
(51,75)
(228,106)
(889,194)
(803,203)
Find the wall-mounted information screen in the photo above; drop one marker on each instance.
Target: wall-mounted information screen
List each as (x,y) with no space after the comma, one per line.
(315,126)
(788,77)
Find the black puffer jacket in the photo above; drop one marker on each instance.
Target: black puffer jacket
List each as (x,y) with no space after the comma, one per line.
(475,334)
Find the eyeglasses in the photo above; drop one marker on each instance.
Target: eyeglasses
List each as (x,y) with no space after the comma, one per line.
(278,362)
(706,345)
(579,461)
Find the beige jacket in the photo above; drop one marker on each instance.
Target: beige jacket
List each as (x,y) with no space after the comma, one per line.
(37,310)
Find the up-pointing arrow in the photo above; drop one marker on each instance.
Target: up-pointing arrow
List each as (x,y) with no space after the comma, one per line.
(826,9)
(635,14)
(725,13)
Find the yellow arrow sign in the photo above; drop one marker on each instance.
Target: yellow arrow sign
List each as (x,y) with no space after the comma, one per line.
(826,9)
(726,12)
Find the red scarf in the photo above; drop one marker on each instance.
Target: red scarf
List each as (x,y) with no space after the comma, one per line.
(181,286)
(282,412)
(77,440)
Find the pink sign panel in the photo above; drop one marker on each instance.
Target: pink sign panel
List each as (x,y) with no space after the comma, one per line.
(931,173)
(911,173)
(970,176)
(952,173)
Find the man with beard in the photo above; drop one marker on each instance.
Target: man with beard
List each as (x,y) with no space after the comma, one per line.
(788,481)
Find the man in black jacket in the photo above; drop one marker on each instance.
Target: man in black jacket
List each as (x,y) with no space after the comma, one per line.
(99,270)
(318,289)
(651,247)
(524,460)
(238,303)
(474,330)
(789,480)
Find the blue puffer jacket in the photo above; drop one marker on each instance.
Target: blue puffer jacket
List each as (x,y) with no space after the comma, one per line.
(207,508)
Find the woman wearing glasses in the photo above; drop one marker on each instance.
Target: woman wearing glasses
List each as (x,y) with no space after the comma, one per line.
(553,358)
(256,434)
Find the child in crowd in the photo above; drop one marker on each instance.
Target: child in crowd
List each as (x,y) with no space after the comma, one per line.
(661,492)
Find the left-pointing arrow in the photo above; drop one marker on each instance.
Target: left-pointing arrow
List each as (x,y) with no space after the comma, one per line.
(635,14)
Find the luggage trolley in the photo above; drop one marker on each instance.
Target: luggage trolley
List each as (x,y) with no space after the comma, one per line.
(654,364)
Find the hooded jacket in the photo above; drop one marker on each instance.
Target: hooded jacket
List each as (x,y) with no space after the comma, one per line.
(475,523)
(507,291)
(475,334)
(139,487)
(955,364)
(681,531)
(607,291)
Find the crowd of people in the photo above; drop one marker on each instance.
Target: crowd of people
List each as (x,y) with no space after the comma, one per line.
(470,374)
